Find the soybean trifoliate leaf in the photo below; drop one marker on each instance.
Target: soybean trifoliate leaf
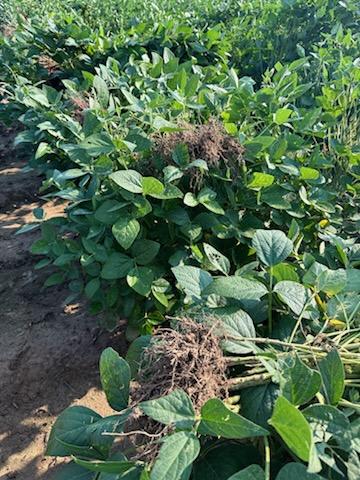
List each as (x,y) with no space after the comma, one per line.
(129,180)
(292,427)
(297,471)
(257,403)
(332,281)
(298,383)
(118,265)
(234,322)
(115,379)
(152,186)
(107,466)
(125,230)
(144,251)
(192,280)
(217,259)
(173,408)
(260,180)
(218,421)
(135,351)
(253,472)
(176,455)
(140,280)
(282,115)
(75,472)
(272,246)
(333,377)
(293,294)
(236,287)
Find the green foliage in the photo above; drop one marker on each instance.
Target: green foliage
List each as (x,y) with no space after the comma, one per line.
(265,244)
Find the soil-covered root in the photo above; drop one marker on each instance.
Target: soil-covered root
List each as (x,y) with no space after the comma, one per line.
(188,357)
(209,142)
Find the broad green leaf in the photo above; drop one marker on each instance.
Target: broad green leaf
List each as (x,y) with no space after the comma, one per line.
(307,173)
(292,427)
(260,180)
(129,180)
(297,471)
(236,287)
(192,280)
(109,211)
(125,230)
(217,259)
(293,294)
(116,266)
(102,91)
(332,282)
(71,471)
(115,379)
(253,472)
(98,144)
(224,460)
(80,429)
(272,246)
(173,408)
(177,453)
(282,115)
(285,271)
(218,421)
(234,323)
(152,186)
(257,403)
(140,280)
(326,418)
(107,466)
(134,353)
(144,251)
(298,383)
(333,377)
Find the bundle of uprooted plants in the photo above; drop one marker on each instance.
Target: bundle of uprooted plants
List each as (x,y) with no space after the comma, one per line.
(190,357)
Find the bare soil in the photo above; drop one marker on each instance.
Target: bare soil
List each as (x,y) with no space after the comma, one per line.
(49,352)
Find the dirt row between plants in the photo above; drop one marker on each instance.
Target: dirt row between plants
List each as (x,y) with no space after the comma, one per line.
(49,352)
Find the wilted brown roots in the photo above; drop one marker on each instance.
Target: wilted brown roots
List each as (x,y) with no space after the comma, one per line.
(188,357)
(209,142)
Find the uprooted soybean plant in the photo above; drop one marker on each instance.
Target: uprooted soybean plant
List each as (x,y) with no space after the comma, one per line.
(207,157)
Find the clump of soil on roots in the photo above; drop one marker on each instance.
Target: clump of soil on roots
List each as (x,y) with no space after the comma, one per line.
(188,357)
(209,142)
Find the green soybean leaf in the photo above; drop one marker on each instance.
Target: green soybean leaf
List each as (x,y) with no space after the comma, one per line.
(129,180)
(152,186)
(282,115)
(102,91)
(236,287)
(297,471)
(71,471)
(176,455)
(125,230)
(298,383)
(292,427)
(80,430)
(224,460)
(173,408)
(218,421)
(217,259)
(118,265)
(260,180)
(192,280)
(140,280)
(293,294)
(107,466)
(333,377)
(329,419)
(332,282)
(285,271)
(253,472)
(235,323)
(144,251)
(115,379)
(272,246)
(134,353)
(257,403)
